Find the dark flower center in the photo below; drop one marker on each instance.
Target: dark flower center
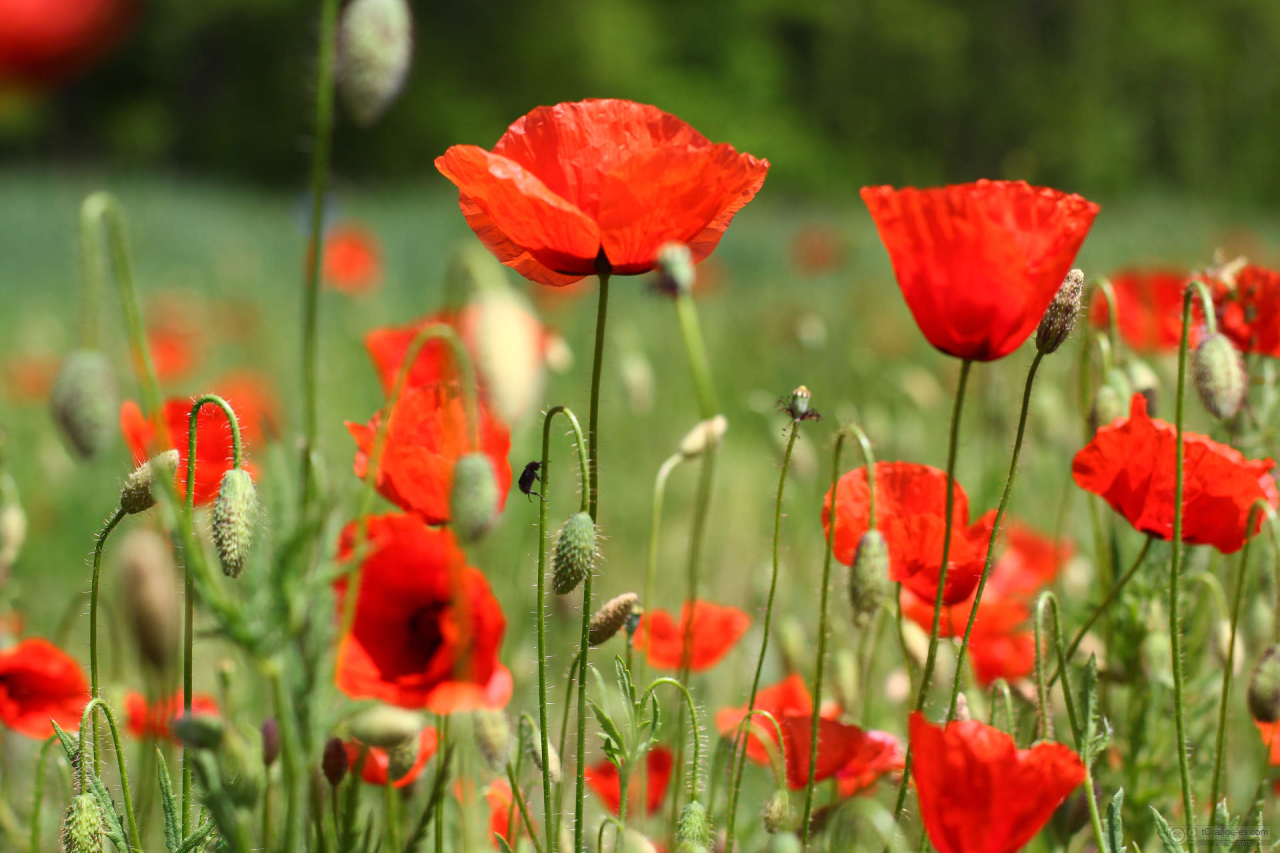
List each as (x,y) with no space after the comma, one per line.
(424,627)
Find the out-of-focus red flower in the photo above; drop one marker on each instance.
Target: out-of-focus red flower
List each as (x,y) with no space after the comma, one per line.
(39,682)
(501,821)
(28,377)
(787,697)
(571,185)
(1249,312)
(388,347)
(253,397)
(377,762)
(1270,733)
(1030,560)
(1130,464)
(352,261)
(428,435)
(818,248)
(1011,656)
(715,631)
(855,757)
(603,779)
(152,721)
(911,502)
(979,263)
(963,769)
(213,443)
(1149,308)
(176,346)
(427,628)
(46,42)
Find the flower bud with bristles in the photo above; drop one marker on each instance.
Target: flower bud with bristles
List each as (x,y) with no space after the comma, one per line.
(235,518)
(676,273)
(1060,317)
(574,554)
(702,436)
(777,815)
(610,618)
(83,826)
(83,402)
(693,831)
(493,737)
(334,761)
(385,726)
(869,577)
(533,748)
(374,51)
(1220,378)
(473,498)
(151,595)
(1264,687)
(137,495)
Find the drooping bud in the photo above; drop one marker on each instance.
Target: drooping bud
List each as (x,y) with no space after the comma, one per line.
(235,518)
(270,741)
(385,726)
(610,618)
(473,498)
(375,49)
(334,761)
(1220,378)
(199,731)
(1143,380)
(693,831)
(704,435)
(83,402)
(533,748)
(137,496)
(402,757)
(1060,317)
(574,554)
(785,842)
(151,595)
(777,815)
(493,737)
(83,827)
(507,339)
(1264,687)
(675,269)
(869,577)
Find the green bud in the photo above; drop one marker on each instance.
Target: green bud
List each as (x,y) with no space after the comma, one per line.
(1220,378)
(199,731)
(1264,687)
(676,273)
(493,737)
(385,726)
(694,826)
(574,554)
(235,516)
(83,827)
(374,51)
(869,577)
(1060,318)
(473,499)
(137,495)
(777,816)
(83,402)
(610,618)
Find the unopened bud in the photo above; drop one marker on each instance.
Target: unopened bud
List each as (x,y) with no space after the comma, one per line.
(83,827)
(385,726)
(151,595)
(800,401)
(777,815)
(137,495)
(1143,380)
(199,731)
(706,434)
(633,622)
(473,498)
(402,757)
(1060,317)
(83,402)
(869,577)
(235,518)
(675,269)
(375,49)
(270,741)
(493,737)
(334,761)
(574,554)
(694,827)
(610,618)
(532,738)
(1220,378)
(1264,687)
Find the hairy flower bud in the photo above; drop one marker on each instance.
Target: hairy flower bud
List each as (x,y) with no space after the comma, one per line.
(151,595)
(574,554)
(694,826)
(493,737)
(532,738)
(385,726)
(1264,687)
(704,435)
(777,815)
(137,495)
(676,273)
(1143,380)
(235,518)
(1220,378)
(83,402)
(1060,317)
(83,827)
(199,731)
(334,761)
(270,741)
(610,618)
(869,577)
(473,498)
(374,51)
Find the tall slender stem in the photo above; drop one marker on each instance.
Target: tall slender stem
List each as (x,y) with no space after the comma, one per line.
(93,624)
(39,791)
(593,418)
(291,758)
(518,797)
(655,528)
(135,840)
(581,753)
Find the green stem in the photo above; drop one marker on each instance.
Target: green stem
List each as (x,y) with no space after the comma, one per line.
(94,687)
(39,791)
(443,728)
(1000,691)
(593,421)
(518,796)
(689,705)
(125,794)
(655,528)
(389,817)
(291,760)
(581,753)
(696,351)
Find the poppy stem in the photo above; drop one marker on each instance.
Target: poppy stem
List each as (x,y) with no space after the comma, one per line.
(581,752)
(322,144)
(518,796)
(291,759)
(655,528)
(93,624)
(995,534)
(564,731)
(125,793)
(692,708)
(1002,699)
(922,692)
(1102,285)
(593,419)
(38,800)
(740,742)
(696,351)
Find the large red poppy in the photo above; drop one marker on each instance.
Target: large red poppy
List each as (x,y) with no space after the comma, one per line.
(377,761)
(787,697)
(428,435)
(715,631)
(979,263)
(1249,311)
(856,758)
(911,506)
(1148,308)
(427,628)
(979,793)
(45,42)
(1130,464)
(603,779)
(213,443)
(39,682)
(152,721)
(568,184)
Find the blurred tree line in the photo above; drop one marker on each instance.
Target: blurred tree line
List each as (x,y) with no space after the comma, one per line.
(1097,96)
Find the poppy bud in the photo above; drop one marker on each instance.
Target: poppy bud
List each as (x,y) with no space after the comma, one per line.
(1111,400)
(1144,381)
(1220,378)
(199,731)
(1264,687)
(675,269)
(610,618)
(693,831)
(962,708)
(270,741)
(385,726)
(533,748)
(785,842)
(633,622)
(507,350)
(869,577)
(136,496)
(1060,317)
(777,815)
(704,435)
(235,515)
(402,757)
(493,737)
(151,595)
(83,402)
(374,50)
(13,533)
(83,826)
(334,761)
(800,401)
(473,499)
(574,553)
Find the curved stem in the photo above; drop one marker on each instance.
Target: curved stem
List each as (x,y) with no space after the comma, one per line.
(697,731)
(39,791)
(593,421)
(655,528)
(1000,690)
(93,625)
(125,794)
(1102,285)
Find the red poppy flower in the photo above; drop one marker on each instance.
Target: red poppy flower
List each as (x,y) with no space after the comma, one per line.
(254,399)
(352,261)
(855,757)
(787,697)
(213,443)
(152,721)
(911,502)
(568,184)
(39,682)
(1011,656)
(29,377)
(1270,733)
(501,820)
(427,628)
(175,347)
(45,42)
(716,630)
(979,263)
(428,435)
(979,793)
(1249,311)
(603,779)
(1149,308)
(377,762)
(1130,464)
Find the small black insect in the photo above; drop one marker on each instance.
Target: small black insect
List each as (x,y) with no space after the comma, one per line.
(528,477)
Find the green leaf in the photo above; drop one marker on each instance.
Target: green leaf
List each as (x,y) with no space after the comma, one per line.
(195,839)
(1171,844)
(169,803)
(502,843)
(1114,822)
(69,745)
(1087,737)
(610,729)
(110,817)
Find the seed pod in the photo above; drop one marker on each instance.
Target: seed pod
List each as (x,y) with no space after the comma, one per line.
(83,826)
(1264,687)
(83,402)
(402,757)
(235,516)
(137,495)
(702,436)
(270,741)
(869,577)
(1220,378)
(151,595)
(610,618)
(694,826)
(199,731)
(1060,317)
(374,51)
(800,398)
(473,498)
(493,737)
(777,815)
(533,748)
(1144,381)
(574,553)
(385,726)
(334,761)
(675,266)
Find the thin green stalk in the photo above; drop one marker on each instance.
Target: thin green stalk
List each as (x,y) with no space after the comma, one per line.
(126,795)
(1002,698)
(41,763)
(389,812)
(443,728)
(581,753)
(93,625)
(292,762)
(518,796)
(696,351)
(689,705)
(593,418)
(655,528)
